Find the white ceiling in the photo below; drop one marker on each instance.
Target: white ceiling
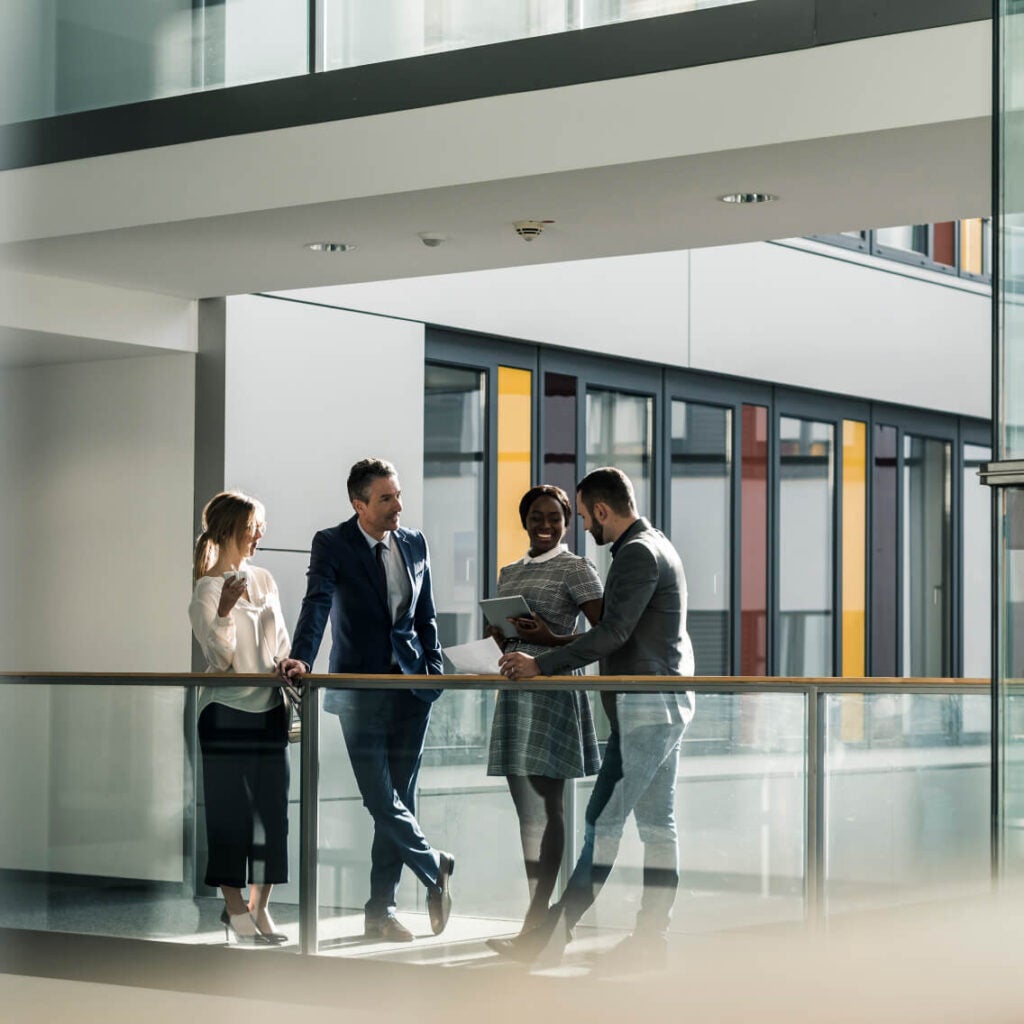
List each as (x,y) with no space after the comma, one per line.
(856,135)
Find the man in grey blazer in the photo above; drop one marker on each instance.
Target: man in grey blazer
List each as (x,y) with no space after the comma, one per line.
(642,632)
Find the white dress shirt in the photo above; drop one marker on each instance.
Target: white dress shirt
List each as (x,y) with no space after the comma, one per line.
(252,637)
(399,582)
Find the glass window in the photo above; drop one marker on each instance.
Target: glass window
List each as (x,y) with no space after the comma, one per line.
(560,439)
(909,238)
(361,32)
(603,12)
(977,565)
(806,524)
(701,517)
(754,542)
(63,56)
(906,815)
(454,496)
(926,556)
(701,526)
(619,434)
(884,520)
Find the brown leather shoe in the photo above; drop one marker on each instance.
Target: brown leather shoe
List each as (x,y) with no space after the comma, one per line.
(387,929)
(439,899)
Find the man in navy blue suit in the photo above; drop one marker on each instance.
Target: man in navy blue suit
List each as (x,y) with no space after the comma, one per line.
(371,577)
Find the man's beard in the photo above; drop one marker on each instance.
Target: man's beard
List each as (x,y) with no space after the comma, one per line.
(597,532)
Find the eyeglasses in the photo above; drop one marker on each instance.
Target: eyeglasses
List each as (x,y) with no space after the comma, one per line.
(258,527)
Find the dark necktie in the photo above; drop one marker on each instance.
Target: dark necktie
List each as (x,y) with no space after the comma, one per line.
(381,552)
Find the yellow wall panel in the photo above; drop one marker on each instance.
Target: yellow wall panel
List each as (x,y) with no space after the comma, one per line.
(515,447)
(970,246)
(854,571)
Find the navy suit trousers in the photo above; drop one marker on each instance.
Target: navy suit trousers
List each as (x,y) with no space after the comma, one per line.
(384,731)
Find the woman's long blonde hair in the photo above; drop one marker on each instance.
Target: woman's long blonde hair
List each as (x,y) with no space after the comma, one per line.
(227,515)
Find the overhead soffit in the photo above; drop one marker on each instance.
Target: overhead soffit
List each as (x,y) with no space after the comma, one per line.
(850,135)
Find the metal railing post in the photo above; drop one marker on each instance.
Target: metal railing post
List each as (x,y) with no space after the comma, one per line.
(309,822)
(814,803)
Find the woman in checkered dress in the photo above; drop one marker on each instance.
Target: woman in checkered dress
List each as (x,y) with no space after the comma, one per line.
(540,738)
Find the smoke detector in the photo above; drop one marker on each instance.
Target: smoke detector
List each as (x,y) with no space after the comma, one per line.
(528,230)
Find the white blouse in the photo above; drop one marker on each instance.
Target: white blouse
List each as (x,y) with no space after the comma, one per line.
(252,637)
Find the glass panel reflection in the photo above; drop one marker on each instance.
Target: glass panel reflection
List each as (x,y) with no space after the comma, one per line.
(1011,677)
(454,495)
(701,520)
(806,530)
(884,555)
(358,32)
(927,557)
(103,833)
(60,57)
(619,434)
(740,815)
(560,439)
(754,542)
(977,564)
(907,802)
(909,238)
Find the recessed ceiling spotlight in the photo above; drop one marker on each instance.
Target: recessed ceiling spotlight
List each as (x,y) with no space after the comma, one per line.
(330,247)
(432,239)
(743,198)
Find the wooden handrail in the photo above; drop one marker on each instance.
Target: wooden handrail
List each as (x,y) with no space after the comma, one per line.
(705,684)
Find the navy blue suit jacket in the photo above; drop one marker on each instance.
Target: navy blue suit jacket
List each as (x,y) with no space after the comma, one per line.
(342,583)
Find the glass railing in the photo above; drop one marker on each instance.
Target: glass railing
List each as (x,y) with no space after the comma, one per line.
(794,799)
(356,32)
(58,57)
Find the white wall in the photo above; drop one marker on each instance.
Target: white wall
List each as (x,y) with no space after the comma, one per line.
(761,311)
(96,517)
(775,313)
(628,305)
(78,310)
(310,391)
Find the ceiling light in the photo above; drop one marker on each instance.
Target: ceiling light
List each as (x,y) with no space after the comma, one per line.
(744,198)
(329,247)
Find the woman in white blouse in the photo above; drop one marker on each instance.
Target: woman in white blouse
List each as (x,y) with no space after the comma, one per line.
(243,730)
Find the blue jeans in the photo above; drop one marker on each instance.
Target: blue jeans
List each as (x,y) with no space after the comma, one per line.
(384,731)
(638,775)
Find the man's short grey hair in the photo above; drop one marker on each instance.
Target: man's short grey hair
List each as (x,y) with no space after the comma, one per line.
(362,475)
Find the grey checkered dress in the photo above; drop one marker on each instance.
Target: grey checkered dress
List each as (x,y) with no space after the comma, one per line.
(538,732)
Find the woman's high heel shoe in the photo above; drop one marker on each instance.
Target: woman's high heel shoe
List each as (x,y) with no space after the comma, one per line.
(273,936)
(244,929)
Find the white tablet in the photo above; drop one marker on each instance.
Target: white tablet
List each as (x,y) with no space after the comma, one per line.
(497,611)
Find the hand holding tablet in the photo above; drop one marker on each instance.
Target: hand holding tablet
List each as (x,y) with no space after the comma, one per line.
(498,610)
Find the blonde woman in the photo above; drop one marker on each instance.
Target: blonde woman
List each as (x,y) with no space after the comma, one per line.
(243,730)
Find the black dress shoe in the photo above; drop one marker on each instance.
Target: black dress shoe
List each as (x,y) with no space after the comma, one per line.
(549,938)
(387,929)
(439,899)
(510,946)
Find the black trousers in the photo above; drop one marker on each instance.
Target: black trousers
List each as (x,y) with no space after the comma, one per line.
(245,782)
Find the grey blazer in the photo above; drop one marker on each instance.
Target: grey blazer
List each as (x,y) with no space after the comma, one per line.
(642,629)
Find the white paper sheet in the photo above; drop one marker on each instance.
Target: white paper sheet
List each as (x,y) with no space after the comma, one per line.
(479,658)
